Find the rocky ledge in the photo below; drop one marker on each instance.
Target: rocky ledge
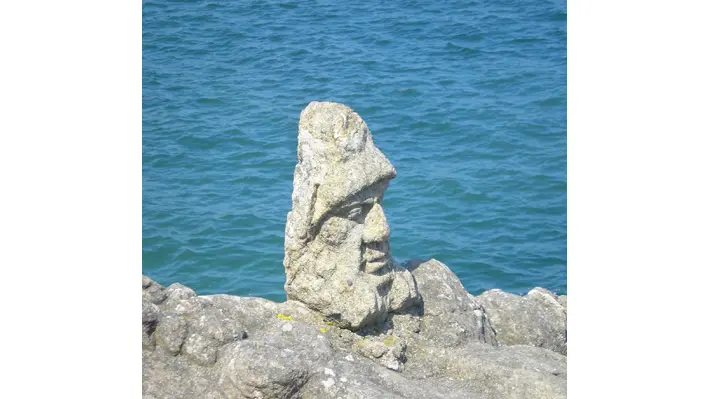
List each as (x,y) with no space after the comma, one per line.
(451,345)
(356,324)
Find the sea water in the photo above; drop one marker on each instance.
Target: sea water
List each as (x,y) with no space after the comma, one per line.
(466,98)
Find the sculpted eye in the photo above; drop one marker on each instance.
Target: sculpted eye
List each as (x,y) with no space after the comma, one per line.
(354,213)
(334,230)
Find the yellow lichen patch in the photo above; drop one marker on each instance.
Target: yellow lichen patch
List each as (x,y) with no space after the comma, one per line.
(390,340)
(284,317)
(322,329)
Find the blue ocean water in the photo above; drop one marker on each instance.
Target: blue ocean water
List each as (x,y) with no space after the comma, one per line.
(466,98)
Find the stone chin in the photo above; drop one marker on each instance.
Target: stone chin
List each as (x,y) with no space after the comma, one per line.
(350,303)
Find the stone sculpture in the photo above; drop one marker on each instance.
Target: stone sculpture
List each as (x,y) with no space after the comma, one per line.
(337,256)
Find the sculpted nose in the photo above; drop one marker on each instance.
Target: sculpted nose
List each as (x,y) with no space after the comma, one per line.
(376,228)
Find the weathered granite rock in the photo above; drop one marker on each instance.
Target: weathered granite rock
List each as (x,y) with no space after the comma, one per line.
(183,323)
(562,301)
(261,349)
(537,319)
(451,316)
(337,255)
(150,321)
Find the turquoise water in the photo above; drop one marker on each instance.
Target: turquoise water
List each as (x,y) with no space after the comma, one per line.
(467,99)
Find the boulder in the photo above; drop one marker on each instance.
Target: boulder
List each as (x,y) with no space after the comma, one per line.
(537,319)
(450,315)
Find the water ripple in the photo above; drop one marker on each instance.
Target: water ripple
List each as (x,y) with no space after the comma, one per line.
(468,100)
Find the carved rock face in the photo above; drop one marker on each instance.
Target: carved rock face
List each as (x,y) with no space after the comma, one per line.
(337,255)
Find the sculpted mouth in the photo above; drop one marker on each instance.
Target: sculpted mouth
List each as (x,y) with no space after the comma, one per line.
(376,264)
(376,257)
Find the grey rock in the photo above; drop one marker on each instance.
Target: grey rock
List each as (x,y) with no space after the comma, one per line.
(384,348)
(562,301)
(337,256)
(150,321)
(536,319)
(451,316)
(495,371)
(153,291)
(186,324)
(291,351)
(390,351)
(255,370)
(176,293)
(404,293)
(253,313)
(171,333)
(200,349)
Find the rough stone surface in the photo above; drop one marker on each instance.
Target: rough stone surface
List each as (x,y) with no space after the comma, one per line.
(562,301)
(537,319)
(356,324)
(451,316)
(337,255)
(222,346)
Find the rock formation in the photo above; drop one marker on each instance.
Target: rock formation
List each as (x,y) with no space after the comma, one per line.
(337,255)
(355,325)
(538,318)
(223,346)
